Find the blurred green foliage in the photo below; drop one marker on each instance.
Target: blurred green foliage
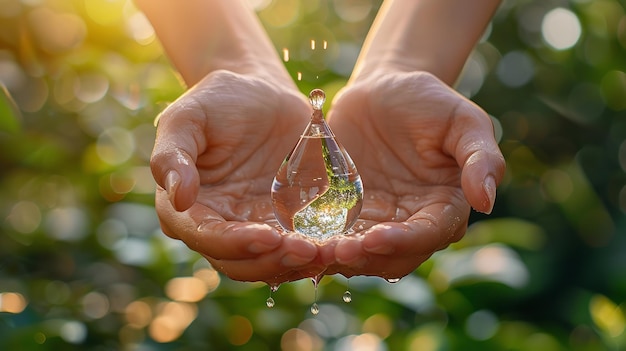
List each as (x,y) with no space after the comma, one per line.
(84,266)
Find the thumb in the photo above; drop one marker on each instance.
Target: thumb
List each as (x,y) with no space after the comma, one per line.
(176,149)
(478,155)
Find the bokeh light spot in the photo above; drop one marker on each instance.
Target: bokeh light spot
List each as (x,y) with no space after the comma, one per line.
(66,223)
(239,330)
(171,321)
(561,28)
(90,88)
(557,185)
(352,11)
(481,325)
(186,289)
(473,75)
(73,332)
(115,145)
(139,28)
(379,324)
(12,302)
(25,217)
(607,315)
(56,31)
(515,69)
(95,305)
(209,277)
(138,314)
(614,89)
(281,13)
(296,339)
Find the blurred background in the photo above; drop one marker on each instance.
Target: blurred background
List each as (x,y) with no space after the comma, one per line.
(84,265)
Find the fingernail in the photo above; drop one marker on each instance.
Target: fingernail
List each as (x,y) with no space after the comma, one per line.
(265,245)
(172,180)
(353,262)
(489,187)
(291,260)
(379,249)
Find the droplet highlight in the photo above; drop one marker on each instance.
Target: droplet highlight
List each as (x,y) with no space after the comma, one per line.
(393,280)
(317,190)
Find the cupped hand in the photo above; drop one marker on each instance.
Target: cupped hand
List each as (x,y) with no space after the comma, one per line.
(216,152)
(425,155)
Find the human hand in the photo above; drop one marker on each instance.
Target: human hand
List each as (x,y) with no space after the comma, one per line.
(425,154)
(216,152)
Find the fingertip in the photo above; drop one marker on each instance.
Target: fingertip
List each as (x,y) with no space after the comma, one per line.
(348,252)
(481,174)
(298,251)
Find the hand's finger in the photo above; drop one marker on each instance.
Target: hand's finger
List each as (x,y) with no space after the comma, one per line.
(296,259)
(178,142)
(203,230)
(389,249)
(472,143)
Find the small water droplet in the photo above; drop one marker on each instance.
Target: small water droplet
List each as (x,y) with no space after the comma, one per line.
(347,296)
(317,97)
(315,309)
(316,280)
(274,287)
(270,302)
(393,280)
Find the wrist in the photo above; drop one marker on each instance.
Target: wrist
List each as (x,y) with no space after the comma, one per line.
(385,66)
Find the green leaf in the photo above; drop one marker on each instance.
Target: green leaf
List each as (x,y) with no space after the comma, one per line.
(9,112)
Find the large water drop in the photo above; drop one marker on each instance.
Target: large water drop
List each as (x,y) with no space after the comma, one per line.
(317,190)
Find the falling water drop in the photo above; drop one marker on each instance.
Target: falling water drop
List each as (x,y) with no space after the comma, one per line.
(347,296)
(270,302)
(315,309)
(393,280)
(317,190)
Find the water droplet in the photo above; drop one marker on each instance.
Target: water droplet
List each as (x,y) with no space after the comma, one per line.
(315,309)
(347,296)
(270,302)
(393,280)
(317,190)
(274,287)
(317,97)
(316,280)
